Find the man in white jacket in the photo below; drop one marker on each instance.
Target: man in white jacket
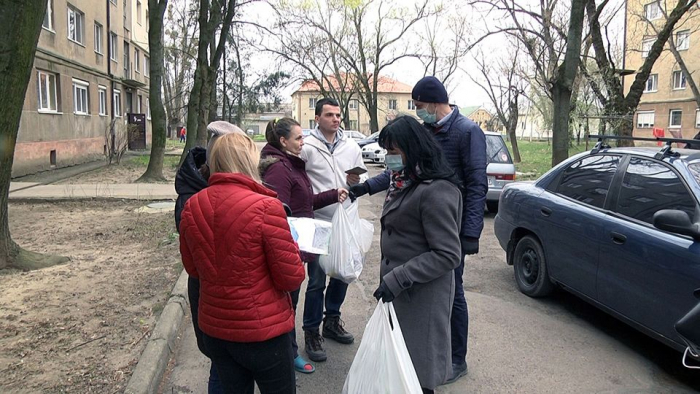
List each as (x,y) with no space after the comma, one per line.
(328,154)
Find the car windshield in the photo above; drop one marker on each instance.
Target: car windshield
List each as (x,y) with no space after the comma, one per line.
(496,150)
(695,170)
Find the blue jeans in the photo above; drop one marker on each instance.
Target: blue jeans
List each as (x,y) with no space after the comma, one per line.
(460,319)
(314,302)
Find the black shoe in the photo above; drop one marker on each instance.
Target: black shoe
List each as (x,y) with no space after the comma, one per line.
(333,329)
(313,346)
(458,370)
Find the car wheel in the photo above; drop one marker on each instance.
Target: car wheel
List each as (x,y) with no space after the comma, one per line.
(492,206)
(531,273)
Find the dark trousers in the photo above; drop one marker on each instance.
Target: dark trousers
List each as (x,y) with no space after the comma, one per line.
(314,302)
(193,295)
(293,333)
(460,319)
(241,365)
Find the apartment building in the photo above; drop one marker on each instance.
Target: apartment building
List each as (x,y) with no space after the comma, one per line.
(394,98)
(91,66)
(667,105)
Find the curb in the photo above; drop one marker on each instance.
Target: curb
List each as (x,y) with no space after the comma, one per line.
(154,360)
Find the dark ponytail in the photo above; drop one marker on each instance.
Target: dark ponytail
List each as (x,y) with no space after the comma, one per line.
(278,128)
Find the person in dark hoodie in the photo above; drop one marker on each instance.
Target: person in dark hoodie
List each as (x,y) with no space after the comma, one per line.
(192,177)
(284,172)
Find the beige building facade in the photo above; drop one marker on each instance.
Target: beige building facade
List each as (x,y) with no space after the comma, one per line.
(91,66)
(394,99)
(667,103)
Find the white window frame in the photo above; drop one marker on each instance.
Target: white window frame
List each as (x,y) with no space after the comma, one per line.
(137,60)
(312,123)
(49,91)
(79,28)
(682,40)
(81,97)
(352,104)
(139,9)
(679,82)
(98,38)
(148,108)
(393,104)
(353,124)
(117,103)
(645,119)
(312,102)
(697,118)
(102,99)
(146,66)
(651,12)
(654,78)
(647,43)
(670,119)
(113,46)
(48,17)
(411,105)
(113,2)
(139,103)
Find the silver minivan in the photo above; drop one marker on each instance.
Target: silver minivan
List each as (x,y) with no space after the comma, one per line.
(500,169)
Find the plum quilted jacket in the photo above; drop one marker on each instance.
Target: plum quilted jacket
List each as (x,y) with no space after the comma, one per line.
(235,238)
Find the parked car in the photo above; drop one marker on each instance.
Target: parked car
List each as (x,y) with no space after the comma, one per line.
(618,227)
(500,169)
(373,152)
(356,135)
(372,138)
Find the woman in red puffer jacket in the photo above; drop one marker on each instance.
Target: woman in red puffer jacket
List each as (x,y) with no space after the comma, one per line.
(285,172)
(235,238)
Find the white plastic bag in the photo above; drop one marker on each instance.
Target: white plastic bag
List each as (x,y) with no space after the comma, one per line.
(382,363)
(348,245)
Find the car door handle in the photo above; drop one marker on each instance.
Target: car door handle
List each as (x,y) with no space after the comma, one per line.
(545,211)
(618,238)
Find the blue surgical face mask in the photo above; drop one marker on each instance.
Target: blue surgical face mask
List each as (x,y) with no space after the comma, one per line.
(427,117)
(394,162)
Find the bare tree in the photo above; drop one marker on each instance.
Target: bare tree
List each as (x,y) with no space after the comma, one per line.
(20,26)
(446,40)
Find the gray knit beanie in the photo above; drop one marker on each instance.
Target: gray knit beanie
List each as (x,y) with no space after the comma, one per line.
(218,128)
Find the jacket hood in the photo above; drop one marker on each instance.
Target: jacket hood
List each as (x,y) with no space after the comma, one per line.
(270,155)
(188,179)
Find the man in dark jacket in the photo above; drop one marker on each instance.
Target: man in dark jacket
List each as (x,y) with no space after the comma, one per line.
(464,146)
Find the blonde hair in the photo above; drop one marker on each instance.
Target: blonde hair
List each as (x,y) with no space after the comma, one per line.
(235,152)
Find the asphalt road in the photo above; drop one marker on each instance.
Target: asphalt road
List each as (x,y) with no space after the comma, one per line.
(516,344)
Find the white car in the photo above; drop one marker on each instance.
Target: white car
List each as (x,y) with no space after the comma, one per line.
(356,135)
(373,152)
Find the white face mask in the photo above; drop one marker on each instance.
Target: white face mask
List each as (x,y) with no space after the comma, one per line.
(426,116)
(394,162)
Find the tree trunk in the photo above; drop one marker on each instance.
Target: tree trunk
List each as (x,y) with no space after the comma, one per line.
(20,26)
(564,82)
(154,172)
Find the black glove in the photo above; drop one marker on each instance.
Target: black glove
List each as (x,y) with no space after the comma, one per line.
(470,245)
(358,190)
(384,293)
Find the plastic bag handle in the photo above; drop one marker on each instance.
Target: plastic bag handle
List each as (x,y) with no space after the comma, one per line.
(387,309)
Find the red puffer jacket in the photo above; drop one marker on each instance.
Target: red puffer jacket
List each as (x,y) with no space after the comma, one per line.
(235,238)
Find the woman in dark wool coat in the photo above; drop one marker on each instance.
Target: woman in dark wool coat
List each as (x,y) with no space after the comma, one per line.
(420,246)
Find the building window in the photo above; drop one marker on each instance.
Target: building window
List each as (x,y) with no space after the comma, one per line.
(652,11)
(113,2)
(117,103)
(147,22)
(652,83)
(678,80)
(675,118)
(138,12)
(697,118)
(646,46)
(146,66)
(148,109)
(645,120)
(127,66)
(411,105)
(392,104)
(683,40)
(98,38)
(80,97)
(139,104)
(102,95)
(312,124)
(76,25)
(353,124)
(352,104)
(48,17)
(46,84)
(113,46)
(312,102)
(137,60)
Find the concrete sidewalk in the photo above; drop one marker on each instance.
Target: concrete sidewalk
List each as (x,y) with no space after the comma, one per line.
(129,191)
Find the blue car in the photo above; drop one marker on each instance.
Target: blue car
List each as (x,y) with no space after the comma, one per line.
(618,227)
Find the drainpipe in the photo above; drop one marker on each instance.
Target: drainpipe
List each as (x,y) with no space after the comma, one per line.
(109,73)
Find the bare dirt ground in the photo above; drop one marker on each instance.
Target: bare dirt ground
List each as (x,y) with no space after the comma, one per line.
(81,327)
(130,169)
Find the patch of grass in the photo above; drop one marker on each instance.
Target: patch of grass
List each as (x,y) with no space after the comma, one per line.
(173,144)
(259,138)
(142,161)
(537,157)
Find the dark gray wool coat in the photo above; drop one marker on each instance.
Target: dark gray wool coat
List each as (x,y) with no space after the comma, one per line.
(420,248)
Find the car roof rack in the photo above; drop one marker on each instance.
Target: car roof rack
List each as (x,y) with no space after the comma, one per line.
(664,152)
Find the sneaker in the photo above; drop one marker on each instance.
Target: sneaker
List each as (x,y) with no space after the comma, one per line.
(458,370)
(333,329)
(313,346)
